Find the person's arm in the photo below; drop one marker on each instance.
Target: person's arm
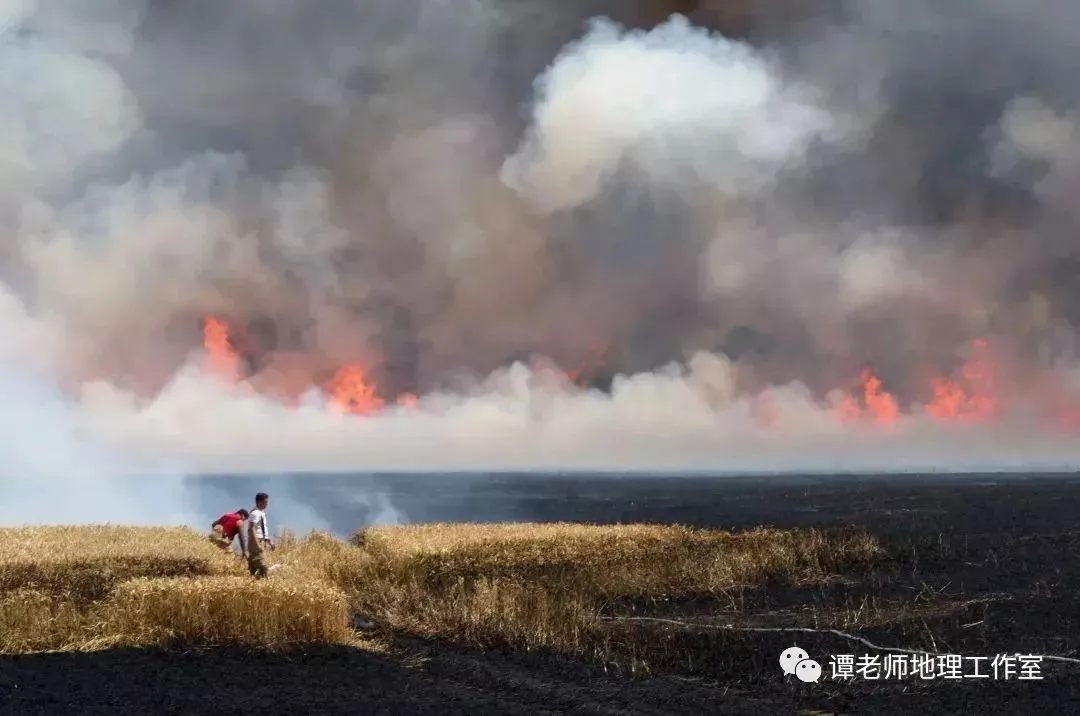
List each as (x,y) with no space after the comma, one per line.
(266,532)
(215,523)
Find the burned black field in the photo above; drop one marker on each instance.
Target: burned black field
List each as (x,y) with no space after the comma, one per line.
(972,565)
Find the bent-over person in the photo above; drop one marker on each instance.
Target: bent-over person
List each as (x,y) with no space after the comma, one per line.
(226,528)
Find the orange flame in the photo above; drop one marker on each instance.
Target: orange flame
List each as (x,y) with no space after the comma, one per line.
(351,391)
(221,358)
(880,405)
(969,400)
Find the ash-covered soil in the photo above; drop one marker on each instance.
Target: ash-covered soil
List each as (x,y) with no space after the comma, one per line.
(436,679)
(336,680)
(978,566)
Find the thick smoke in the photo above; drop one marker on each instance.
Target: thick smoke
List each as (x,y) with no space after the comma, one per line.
(731,228)
(683,107)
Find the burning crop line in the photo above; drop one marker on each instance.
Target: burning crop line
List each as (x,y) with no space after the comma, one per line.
(970,397)
(349,391)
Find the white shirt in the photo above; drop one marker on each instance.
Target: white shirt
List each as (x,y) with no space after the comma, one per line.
(258,518)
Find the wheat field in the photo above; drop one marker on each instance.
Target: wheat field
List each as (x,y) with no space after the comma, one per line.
(531,585)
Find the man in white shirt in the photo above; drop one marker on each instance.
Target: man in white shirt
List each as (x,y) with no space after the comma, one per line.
(258,537)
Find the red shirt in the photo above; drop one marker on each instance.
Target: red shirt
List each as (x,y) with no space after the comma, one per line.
(230,524)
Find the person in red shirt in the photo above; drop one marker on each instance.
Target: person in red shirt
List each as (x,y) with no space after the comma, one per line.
(225,528)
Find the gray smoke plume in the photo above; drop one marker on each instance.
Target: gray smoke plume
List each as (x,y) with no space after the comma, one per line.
(726,216)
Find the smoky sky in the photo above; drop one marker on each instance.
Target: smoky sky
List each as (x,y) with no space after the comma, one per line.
(333,180)
(773,195)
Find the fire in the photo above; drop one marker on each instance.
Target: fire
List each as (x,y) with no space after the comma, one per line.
(970,399)
(221,358)
(880,406)
(351,392)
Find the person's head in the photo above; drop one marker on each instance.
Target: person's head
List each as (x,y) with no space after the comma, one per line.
(262,500)
(243,514)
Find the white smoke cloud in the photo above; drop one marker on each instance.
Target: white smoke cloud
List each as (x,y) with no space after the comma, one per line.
(1033,132)
(875,269)
(1031,129)
(50,470)
(58,110)
(676,101)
